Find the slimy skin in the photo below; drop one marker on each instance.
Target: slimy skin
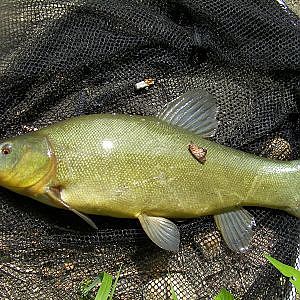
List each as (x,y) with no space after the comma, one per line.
(123,166)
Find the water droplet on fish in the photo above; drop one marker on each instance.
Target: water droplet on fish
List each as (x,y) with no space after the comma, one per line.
(107,145)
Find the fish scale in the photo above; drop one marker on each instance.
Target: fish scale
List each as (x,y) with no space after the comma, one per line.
(128,162)
(142,167)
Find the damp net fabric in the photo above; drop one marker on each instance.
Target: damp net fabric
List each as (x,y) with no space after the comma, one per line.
(60,59)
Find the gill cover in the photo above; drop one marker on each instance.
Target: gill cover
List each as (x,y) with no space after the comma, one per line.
(25,161)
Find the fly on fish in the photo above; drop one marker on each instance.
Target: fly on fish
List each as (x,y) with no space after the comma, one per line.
(152,169)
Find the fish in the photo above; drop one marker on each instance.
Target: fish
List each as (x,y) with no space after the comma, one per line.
(150,168)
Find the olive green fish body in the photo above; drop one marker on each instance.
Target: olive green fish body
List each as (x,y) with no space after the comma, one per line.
(150,168)
(121,166)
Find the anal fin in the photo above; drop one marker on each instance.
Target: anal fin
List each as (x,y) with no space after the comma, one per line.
(54,194)
(236,228)
(163,232)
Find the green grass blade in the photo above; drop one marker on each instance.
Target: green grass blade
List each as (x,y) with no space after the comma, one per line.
(174,296)
(105,287)
(224,295)
(173,293)
(115,284)
(286,270)
(93,284)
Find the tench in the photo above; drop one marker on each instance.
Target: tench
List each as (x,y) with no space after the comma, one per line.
(152,169)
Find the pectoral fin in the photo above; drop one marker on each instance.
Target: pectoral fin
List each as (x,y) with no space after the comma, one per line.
(236,228)
(54,195)
(161,231)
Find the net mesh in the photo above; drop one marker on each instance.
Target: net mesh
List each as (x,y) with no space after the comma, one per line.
(65,58)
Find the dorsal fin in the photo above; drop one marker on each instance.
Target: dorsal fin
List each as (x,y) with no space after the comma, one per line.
(195,111)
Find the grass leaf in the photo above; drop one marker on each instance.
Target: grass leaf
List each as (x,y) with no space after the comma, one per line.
(115,284)
(173,293)
(105,287)
(174,296)
(95,282)
(224,295)
(286,270)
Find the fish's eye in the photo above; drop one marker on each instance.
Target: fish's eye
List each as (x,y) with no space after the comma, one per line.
(6,149)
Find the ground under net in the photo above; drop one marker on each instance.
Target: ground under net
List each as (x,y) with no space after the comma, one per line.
(65,58)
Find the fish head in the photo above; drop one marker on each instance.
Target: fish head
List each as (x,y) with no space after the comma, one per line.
(25,161)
